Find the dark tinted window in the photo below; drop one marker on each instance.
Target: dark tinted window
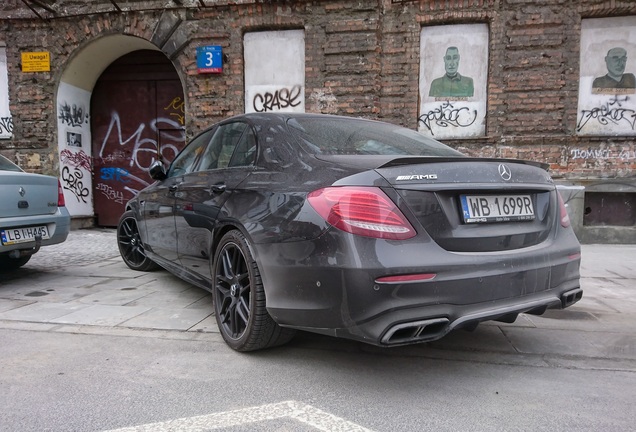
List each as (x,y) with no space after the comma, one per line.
(341,136)
(190,157)
(233,144)
(245,153)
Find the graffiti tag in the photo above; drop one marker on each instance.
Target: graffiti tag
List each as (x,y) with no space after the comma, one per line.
(110,193)
(610,112)
(446,115)
(117,174)
(602,154)
(73,116)
(73,182)
(6,125)
(280,99)
(75,159)
(178,105)
(145,146)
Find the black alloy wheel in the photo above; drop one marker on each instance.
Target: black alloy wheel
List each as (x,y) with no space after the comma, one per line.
(239,298)
(130,245)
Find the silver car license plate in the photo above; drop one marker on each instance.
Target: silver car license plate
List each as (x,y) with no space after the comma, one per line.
(496,208)
(13,236)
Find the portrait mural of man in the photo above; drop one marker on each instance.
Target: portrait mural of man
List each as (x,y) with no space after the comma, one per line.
(452,84)
(607,79)
(616,81)
(453,80)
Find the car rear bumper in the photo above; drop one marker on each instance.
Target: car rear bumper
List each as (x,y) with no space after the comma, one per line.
(58,223)
(338,294)
(424,324)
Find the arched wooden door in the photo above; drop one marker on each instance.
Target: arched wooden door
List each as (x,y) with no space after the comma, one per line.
(137,116)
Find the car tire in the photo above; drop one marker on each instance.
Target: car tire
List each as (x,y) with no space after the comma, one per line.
(130,246)
(9,264)
(239,298)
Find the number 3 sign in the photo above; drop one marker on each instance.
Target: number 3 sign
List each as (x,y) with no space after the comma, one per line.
(210,59)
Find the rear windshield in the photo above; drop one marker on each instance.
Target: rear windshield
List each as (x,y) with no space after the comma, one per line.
(7,165)
(344,136)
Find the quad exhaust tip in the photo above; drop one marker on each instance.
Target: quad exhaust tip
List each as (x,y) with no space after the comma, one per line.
(425,330)
(571,297)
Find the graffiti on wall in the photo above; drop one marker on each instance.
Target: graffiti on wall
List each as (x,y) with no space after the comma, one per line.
(73,181)
(74,134)
(447,115)
(118,175)
(453,77)
(6,121)
(607,86)
(111,193)
(277,100)
(140,150)
(6,126)
(75,164)
(75,159)
(624,154)
(268,86)
(122,177)
(615,112)
(176,109)
(74,115)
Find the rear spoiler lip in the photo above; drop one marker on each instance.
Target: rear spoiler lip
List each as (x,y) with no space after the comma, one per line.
(388,161)
(399,161)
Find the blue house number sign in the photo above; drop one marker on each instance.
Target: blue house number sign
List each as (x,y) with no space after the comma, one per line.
(210,59)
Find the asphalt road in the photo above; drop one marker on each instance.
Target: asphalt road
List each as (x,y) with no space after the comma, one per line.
(65,367)
(81,382)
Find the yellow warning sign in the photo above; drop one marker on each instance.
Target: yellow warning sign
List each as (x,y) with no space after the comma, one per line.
(36,61)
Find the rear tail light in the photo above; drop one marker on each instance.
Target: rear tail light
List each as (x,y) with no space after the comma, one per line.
(365,211)
(565,218)
(60,195)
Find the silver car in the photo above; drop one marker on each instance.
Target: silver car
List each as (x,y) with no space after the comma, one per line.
(32,214)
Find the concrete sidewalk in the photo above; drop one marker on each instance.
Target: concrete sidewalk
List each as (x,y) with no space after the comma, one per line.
(84,281)
(83,285)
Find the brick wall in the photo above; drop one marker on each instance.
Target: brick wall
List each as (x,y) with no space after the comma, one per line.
(362,58)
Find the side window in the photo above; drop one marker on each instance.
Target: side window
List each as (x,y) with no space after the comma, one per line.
(245,153)
(225,140)
(187,161)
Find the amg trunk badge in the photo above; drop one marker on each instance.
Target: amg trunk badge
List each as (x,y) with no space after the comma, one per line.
(416,177)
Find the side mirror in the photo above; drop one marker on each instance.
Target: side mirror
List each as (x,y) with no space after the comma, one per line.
(157,170)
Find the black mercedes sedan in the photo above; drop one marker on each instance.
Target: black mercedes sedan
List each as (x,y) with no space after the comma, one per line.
(351,228)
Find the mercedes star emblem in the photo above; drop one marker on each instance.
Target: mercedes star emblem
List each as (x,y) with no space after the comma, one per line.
(505,172)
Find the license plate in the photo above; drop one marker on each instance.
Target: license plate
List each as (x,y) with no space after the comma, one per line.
(12,236)
(497,208)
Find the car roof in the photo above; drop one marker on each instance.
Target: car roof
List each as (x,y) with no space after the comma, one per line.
(282,117)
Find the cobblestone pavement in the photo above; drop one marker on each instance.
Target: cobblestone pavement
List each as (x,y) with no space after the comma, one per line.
(85,246)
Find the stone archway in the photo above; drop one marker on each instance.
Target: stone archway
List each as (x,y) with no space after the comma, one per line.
(137,117)
(75,134)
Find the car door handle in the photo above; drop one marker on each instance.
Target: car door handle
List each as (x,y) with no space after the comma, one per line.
(218,188)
